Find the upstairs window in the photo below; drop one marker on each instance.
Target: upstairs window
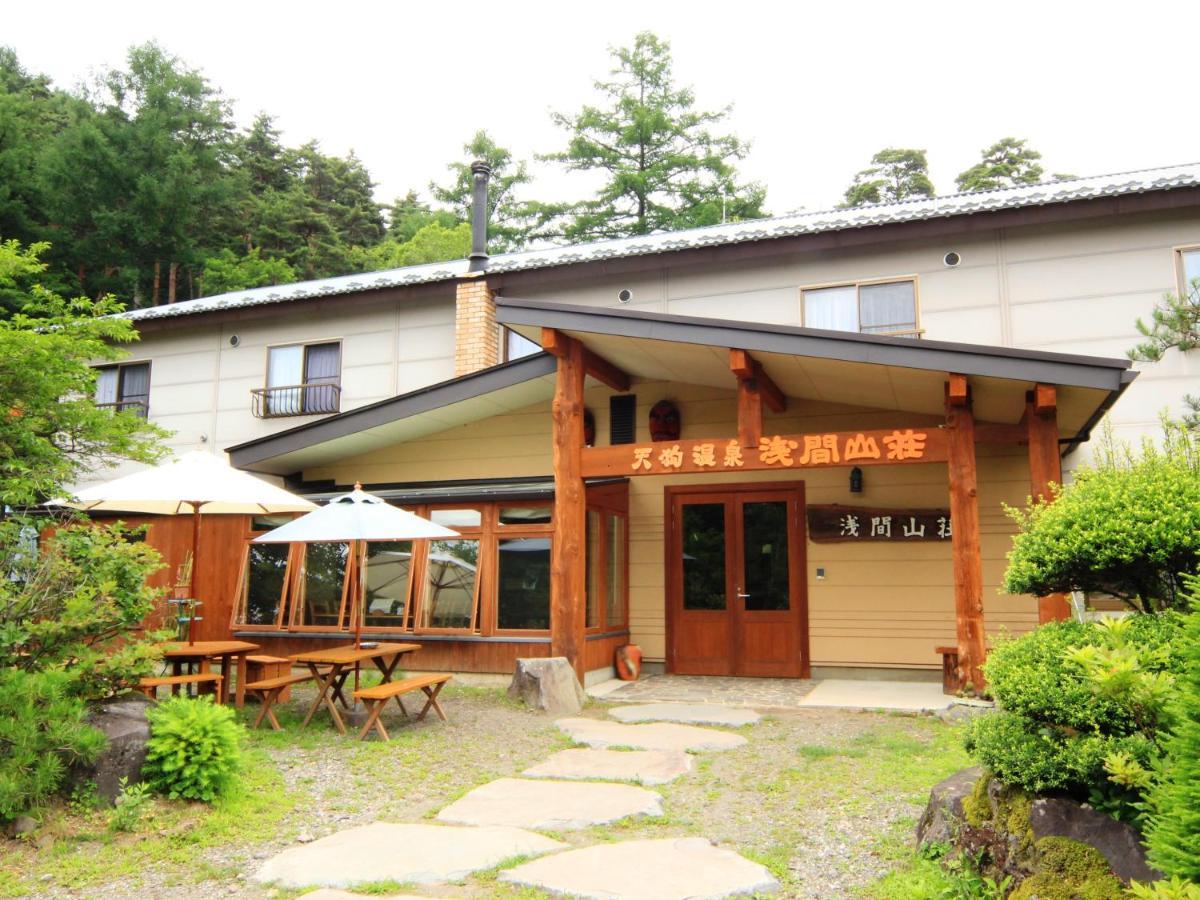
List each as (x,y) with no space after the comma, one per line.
(302,380)
(1189,270)
(879,307)
(124,387)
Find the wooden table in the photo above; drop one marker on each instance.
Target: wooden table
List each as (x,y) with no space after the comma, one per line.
(341,662)
(204,652)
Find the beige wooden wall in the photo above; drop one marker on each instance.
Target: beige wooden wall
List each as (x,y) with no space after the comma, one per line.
(879,605)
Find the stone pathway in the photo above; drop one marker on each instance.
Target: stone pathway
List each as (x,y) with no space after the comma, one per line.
(755,693)
(573,789)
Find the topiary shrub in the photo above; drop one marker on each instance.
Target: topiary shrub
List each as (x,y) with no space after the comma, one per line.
(194,750)
(42,733)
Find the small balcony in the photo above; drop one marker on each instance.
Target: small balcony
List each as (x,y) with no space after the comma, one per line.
(313,399)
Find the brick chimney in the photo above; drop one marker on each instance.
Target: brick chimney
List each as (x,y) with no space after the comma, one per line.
(476,334)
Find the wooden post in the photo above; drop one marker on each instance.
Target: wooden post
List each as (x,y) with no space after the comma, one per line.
(749,413)
(568,577)
(964,523)
(1045,467)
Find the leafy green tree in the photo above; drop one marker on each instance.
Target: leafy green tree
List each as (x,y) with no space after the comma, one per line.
(1128,526)
(894,175)
(51,431)
(1174,323)
(509,219)
(663,166)
(409,214)
(1007,163)
(433,243)
(228,272)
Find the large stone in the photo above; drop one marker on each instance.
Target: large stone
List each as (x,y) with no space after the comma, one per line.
(552,805)
(547,684)
(663,869)
(416,854)
(658,736)
(124,723)
(641,766)
(686,713)
(1120,844)
(943,816)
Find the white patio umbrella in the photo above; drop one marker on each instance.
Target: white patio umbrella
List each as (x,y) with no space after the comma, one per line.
(193,483)
(356,518)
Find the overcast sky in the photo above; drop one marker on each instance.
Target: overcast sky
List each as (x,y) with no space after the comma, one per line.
(817,88)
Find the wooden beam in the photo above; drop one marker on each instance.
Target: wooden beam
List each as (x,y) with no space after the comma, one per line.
(605,372)
(555,342)
(749,369)
(782,453)
(568,578)
(957,390)
(1045,468)
(968,567)
(749,413)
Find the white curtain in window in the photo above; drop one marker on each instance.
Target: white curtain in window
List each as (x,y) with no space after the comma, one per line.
(322,364)
(888,307)
(106,385)
(285,366)
(832,308)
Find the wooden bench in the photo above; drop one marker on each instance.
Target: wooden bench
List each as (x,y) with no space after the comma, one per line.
(206,682)
(261,667)
(951,683)
(269,691)
(377,697)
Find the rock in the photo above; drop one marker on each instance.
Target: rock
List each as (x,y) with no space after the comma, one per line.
(641,766)
(304,838)
(1119,843)
(551,805)
(547,684)
(964,711)
(943,816)
(23,825)
(655,736)
(686,714)
(124,723)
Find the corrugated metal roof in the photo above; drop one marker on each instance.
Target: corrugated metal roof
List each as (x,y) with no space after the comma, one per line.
(792,225)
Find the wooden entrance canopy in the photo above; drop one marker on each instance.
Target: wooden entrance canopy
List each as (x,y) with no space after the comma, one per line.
(981,394)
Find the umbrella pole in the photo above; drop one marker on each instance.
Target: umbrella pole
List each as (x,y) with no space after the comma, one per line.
(359,603)
(192,575)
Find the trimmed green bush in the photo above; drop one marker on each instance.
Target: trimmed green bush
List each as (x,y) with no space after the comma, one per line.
(194,750)
(42,733)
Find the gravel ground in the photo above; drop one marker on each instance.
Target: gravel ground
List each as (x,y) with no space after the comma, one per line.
(817,795)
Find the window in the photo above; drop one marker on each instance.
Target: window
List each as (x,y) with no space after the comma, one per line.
(886,307)
(606,546)
(450,598)
(301,380)
(517,346)
(1189,270)
(124,387)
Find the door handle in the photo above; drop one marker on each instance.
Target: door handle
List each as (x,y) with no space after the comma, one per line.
(742,596)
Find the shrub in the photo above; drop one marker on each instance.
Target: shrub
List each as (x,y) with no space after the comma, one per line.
(194,748)
(131,803)
(42,733)
(1129,527)
(1173,836)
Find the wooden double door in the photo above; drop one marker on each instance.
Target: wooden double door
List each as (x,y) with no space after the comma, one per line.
(736,601)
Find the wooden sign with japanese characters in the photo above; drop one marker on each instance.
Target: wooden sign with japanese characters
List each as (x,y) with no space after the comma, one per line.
(863,524)
(783,453)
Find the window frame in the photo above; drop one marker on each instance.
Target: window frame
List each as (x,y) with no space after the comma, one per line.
(417,574)
(1181,283)
(267,386)
(120,404)
(916,331)
(607,510)
(497,532)
(505,356)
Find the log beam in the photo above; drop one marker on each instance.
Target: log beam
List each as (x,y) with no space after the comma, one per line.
(964,514)
(749,413)
(749,369)
(958,392)
(1045,468)
(567,570)
(556,344)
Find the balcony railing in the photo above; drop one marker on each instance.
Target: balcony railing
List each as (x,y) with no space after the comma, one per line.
(137,407)
(296,400)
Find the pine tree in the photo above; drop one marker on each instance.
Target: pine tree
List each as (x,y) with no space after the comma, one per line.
(509,219)
(1007,163)
(894,175)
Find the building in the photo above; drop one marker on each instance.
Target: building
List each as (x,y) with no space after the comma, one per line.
(994,324)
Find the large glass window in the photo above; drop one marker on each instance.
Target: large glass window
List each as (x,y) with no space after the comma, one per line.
(615,582)
(262,586)
(872,308)
(523,583)
(301,379)
(386,580)
(323,583)
(450,595)
(124,387)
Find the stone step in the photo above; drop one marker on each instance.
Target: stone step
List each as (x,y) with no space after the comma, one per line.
(686,714)
(551,805)
(657,736)
(640,766)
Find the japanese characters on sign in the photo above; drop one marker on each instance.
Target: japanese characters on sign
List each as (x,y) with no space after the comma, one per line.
(783,452)
(830,524)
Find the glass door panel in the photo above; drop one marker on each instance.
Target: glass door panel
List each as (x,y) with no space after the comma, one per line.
(704,556)
(765,555)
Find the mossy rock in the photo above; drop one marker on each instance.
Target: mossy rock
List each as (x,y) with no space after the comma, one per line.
(1069,870)
(977,806)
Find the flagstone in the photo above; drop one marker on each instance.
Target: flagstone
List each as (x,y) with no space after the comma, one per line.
(383,851)
(553,805)
(641,766)
(662,869)
(686,713)
(656,736)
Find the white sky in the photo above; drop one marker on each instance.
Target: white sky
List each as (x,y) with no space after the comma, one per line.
(817,87)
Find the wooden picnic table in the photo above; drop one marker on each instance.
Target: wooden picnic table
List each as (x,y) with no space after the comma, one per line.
(341,661)
(202,653)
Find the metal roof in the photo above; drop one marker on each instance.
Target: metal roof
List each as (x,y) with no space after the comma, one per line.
(791,225)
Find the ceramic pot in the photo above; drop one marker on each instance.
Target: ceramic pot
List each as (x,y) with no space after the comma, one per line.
(629,662)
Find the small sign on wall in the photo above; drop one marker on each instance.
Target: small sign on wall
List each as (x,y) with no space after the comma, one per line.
(839,524)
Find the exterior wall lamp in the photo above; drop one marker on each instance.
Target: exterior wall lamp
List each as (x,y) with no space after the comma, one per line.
(856,480)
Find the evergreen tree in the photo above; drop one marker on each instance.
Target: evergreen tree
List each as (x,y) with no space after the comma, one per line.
(1007,163)
(894,175)
(409,214)
(509,220)
(1174,324)
(663,167)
